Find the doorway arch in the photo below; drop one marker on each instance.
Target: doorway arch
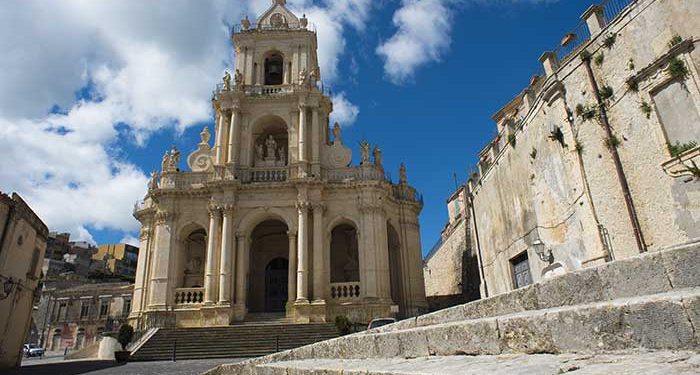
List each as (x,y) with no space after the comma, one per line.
(276,279)
(269,267)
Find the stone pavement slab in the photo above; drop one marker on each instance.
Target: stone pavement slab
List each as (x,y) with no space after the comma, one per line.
(633,363)
(97,367)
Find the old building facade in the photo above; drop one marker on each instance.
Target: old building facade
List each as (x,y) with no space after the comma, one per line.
(22,245)
(597,159)
(273,217)
(119,260)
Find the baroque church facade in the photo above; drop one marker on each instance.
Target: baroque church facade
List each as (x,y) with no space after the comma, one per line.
(274,219)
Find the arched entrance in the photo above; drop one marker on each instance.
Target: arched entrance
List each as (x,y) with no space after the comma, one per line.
(396,269)
(269,267)
(276,278)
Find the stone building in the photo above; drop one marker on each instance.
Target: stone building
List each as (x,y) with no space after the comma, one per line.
(119,260)
(273,218)
(22,245)
(597,159)
(75,317)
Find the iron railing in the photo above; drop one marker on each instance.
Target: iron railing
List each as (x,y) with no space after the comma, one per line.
(572,40)
(612,8)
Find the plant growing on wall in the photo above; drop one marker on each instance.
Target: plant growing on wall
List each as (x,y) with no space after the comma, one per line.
(342,323)
(609,40)
(633,85)
(606,92)
(680,148)
(511,140)
(579,147)
(675,40)
(533,153)
(587,112)
(646,109)
(677,69)
(612,142)
(630,64)
(598,59)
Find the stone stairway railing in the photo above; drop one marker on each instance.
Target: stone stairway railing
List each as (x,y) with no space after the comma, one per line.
(651,301)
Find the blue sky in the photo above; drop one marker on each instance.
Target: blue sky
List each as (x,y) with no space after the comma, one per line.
(432,114)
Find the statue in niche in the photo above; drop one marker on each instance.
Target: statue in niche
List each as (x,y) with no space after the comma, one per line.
(194,266)
(227,81)
(336,134)
(402,174)
(378,156)
(259,153)
(238,78)
(303,77)
(283,156)
(364,146)
(271,147)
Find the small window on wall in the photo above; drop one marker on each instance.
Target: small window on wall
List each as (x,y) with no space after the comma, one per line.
(678,113)
(104,309)
(521,271)
(127,307)
(84,310)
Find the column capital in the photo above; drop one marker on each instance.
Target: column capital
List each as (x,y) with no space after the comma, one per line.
(291,233)
(240,235)
(162,216)
(319,207)
(302,205)
(227,209)
(214,211)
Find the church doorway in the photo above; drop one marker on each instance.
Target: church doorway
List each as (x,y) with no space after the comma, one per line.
(276,277)
(396,269)
(269,267)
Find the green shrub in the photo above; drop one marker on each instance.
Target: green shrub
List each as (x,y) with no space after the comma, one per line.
(511,140)
(675,40)
(126,334)
(609,40)
(598,59)
(680,148)
(342,323)
(677,69)
(606,92)
(533,153)
(646,109)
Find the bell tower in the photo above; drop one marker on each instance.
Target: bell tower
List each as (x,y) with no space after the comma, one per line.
(272,118)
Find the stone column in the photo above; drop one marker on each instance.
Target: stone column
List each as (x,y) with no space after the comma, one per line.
(320,287)
(232,136)
(241,271)
(209,282)
(141,268)
(226,250)
(302,253)
(315,144)
(219,157)
(292,274)
(302,139)
(158,291)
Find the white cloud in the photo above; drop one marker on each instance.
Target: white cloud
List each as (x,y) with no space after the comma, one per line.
(130,240)
(422,36)
(147,65)
(344,112)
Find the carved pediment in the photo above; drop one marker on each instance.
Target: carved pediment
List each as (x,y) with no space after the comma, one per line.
(278,17)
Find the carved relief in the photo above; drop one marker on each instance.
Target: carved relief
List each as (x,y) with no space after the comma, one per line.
(268,154)
(336,155)
(200,160)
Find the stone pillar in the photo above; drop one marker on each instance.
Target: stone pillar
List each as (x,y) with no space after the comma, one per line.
(219,143)
(320,288)
(381,254)
(368,267)
(302,253)
(302,139)
(140,289)
(241,271)
(209,282)
(226,250)
(594,19)
(550,63)
(158,291)
(233,135)
(292,274)
(315,144)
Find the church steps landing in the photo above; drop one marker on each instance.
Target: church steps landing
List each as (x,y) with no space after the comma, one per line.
(650,301)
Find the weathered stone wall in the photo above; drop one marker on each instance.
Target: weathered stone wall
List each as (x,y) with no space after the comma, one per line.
(443,270)
(541,187)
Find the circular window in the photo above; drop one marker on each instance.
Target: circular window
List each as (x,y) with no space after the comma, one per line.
(277,20)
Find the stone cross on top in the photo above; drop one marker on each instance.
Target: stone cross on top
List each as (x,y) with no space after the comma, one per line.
(280,2)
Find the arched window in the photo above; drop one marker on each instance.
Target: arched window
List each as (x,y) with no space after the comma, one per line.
(345,263)
(274,69)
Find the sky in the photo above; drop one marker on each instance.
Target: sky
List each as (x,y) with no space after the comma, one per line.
(93,92)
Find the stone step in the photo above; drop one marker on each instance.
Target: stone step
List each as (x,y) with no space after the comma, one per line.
(248,340)
(637,362)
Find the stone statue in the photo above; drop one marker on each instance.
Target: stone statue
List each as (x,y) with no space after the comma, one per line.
(174,159)
(166,162)
(364,146)
(227,81)
(303,77)
(153,182)
(238,78)
(378,156)
(313,76)
(402,174)
(283,156)
(205,136)
(245,23)
(259,153)
(336,134)
(271,147)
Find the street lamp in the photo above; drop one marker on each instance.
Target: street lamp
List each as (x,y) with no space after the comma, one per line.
(542,251)
(7,288)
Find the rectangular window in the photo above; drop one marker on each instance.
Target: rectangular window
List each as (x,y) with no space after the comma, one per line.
(678,113)
(104,309)
(521,271)
(127,307)
(62,308)
(84,310)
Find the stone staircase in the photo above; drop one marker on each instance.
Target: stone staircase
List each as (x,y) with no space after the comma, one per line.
(244,340)
(649,302)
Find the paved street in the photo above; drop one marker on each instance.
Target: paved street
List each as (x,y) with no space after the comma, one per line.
(52,365)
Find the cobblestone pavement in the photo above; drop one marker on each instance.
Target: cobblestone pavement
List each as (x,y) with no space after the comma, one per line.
(57,366)
(630,363)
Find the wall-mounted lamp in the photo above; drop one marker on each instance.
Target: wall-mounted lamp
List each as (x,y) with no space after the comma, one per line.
(542,251)
(556,134)
(7,287)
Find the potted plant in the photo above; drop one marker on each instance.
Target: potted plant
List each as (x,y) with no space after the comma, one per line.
(126,334)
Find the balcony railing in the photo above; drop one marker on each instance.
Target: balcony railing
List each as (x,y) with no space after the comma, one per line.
(189,296)
(354,174)
(344,291)
(273,174)
(269,90)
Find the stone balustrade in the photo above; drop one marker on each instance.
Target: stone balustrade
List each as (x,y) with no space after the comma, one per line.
(189,296)
(273,90)
(270,174)
(354,174)
(347,290)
